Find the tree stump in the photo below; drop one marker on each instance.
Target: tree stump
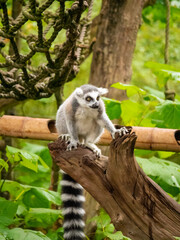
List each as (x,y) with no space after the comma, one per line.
(136,204)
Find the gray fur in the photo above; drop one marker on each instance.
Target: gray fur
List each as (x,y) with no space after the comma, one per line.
(88,88)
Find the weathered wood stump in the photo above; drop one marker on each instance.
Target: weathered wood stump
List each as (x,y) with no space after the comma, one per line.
(136,204)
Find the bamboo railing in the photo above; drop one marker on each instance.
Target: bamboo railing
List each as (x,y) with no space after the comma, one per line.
(44,129)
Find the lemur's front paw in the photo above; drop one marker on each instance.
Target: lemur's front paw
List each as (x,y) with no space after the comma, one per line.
(65,137)
(72,145)
(122,131)
(95,149)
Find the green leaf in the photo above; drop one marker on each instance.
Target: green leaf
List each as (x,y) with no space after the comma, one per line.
(164,72)
(27,176)
(15,189)
(154,93)
(102,219)
(22,209)
(32,196)
(163,172)
(41,151)
(23,234)
(157,12)
(109,228)
(26,159)
(113,108)
(105,228)
(130,89)
(56,235)
(115,236)
(41,198)
(132,112)
(165,154)
(99,235)
(172,74)
(167,115)
(2,237)
(7,211)
(3,164)
(42,217)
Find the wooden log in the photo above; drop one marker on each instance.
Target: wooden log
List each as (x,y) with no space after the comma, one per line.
(136,204)
(44,129)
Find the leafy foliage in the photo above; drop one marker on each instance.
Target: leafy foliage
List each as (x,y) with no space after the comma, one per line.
(113,108)
(7,211)
(30,206)
(40,217)
(28,160)
(21,234)
(131,90)
(3,164)
(31,196)
(166,115)
(146,107)
(164,72)
(105,228)
(163,172)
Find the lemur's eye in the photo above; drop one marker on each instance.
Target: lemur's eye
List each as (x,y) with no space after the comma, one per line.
(97,98)
(88,99)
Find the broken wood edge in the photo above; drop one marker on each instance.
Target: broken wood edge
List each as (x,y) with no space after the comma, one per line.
(136,204)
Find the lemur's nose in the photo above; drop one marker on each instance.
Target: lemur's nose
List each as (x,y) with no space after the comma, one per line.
(95,105)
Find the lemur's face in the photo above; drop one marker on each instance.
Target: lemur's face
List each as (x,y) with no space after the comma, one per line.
(90,99)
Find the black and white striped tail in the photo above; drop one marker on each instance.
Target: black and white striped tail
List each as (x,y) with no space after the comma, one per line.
(72,198)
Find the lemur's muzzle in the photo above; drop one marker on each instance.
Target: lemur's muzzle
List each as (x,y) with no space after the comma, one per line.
(95,105)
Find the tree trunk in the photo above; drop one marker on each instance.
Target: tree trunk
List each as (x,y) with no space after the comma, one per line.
(119,22)
(136,204)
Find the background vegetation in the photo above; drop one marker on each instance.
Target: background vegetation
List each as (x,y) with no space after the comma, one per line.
(29,214)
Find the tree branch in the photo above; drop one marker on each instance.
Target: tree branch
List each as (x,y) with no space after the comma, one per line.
(136,204)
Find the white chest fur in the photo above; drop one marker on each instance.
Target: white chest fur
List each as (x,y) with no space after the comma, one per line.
(86,120)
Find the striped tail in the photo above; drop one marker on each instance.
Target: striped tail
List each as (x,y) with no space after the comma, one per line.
(72,198)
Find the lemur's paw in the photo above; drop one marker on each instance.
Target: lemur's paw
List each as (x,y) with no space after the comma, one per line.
(122,131)
(97,152)
(95,149)
(65,137)
(72,145)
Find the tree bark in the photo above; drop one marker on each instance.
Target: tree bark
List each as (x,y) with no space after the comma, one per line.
(136,204)
(115,43)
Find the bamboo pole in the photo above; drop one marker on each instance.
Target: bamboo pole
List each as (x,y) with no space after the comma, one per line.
(44,129)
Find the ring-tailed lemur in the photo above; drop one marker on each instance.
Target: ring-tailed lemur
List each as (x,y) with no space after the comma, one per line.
(80,119)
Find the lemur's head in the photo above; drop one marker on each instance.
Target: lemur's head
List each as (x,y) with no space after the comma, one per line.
(89,95)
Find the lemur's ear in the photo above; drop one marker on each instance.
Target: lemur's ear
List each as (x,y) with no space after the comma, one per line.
(79,92)
(102,91)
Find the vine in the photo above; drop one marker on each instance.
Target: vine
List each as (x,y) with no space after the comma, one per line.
(18,78)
